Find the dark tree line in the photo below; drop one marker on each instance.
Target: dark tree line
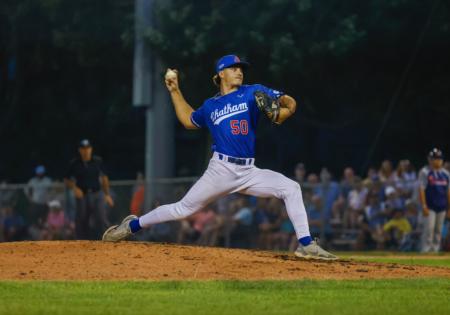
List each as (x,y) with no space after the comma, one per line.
(66,73)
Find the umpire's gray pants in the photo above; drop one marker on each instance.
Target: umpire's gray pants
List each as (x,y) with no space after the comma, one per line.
(90,205)
(432,231)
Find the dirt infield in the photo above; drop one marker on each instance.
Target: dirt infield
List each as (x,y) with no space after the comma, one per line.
(84,260)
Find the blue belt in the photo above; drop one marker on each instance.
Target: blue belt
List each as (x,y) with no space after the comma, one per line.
(235,160)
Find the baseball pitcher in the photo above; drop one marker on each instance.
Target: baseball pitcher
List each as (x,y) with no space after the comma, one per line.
(231,116)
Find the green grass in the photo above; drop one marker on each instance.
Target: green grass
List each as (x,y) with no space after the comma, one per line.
(436,260)
(414,296)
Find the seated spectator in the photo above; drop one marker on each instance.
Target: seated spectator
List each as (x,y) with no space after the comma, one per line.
(376,217)
(242,219)
(393,201)
(396,230)
(192,227)
(329,192)
(267,221)
(356,203)
(13,225)
(412,240)
(285,236)
(313,205)
(57,227)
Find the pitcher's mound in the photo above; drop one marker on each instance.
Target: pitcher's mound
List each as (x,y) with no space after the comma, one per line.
(86,260)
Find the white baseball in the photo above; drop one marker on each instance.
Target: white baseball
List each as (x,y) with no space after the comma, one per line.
(170,75)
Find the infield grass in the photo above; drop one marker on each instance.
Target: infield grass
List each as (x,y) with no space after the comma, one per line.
(414,296)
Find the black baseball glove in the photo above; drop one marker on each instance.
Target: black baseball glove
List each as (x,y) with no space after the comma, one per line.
(268,105)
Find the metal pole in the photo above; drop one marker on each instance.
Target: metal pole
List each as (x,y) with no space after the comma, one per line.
(143,88)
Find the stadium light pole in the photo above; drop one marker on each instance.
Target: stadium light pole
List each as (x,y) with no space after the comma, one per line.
(143,88)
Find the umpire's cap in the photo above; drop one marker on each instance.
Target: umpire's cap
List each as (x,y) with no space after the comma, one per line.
(435,154)
(85,143)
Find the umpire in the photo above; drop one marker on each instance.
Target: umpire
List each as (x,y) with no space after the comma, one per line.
(85,176)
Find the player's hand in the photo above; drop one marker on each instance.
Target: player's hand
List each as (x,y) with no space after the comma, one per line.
(426,211)
(172,81)
(78,192)
(109,201)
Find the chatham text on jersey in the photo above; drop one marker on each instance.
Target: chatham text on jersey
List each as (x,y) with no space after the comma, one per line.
(227,111)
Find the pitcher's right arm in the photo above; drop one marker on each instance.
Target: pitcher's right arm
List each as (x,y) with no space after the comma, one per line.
(182,109)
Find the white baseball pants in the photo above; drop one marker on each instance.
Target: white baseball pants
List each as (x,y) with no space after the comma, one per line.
(432,231)
(222,178)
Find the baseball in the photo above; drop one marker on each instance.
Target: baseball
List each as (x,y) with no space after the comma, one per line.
(170,75)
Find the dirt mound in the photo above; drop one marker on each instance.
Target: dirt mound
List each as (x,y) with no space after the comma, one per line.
(85,260)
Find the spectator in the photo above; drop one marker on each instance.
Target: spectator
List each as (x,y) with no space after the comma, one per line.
(37,191)
(393,201)
(347,182)
(13,225)
(435,197)
(396,230)
(376,216)
(386,173)
(300,173)
(412,241)
(356,203)
(242,220)
(192,227)
(138,198)
(447,166)
(313,205)
(86,175)
(57,226)
(405,179)
(329,192)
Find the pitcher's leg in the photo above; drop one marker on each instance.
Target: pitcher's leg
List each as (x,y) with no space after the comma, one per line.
(267,183)
(217,181)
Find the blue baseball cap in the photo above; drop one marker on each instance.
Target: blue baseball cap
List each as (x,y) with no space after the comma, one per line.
(39,170)
(230,61)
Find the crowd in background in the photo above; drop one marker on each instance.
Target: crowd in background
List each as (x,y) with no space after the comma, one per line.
(381,210)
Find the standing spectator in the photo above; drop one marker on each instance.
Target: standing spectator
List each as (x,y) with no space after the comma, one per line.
(300,173)
(37,191)
(435,197)
(138,197)
(86,175)
(386,172)
(405,179)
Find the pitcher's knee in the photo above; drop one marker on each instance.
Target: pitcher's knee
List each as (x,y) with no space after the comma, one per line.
(184,209)
(292,188)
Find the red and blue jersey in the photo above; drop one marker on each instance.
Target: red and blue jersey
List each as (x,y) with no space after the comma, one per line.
(436,184)
(232,120)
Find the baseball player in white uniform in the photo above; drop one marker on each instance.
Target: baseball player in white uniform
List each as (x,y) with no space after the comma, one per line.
(231,116)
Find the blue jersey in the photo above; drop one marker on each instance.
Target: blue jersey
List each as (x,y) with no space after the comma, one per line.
(232,120)
(436,185)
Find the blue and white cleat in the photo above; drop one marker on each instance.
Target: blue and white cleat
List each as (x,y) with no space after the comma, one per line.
(119,232)
(314,251)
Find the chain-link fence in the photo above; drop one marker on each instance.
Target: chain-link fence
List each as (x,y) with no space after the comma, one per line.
(344,216)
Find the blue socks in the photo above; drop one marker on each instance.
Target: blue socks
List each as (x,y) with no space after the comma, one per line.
(135,226)
(305,241)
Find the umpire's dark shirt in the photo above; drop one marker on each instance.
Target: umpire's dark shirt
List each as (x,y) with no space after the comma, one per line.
(87,173)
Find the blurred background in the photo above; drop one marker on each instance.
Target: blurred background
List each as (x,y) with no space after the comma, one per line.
(371,79)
